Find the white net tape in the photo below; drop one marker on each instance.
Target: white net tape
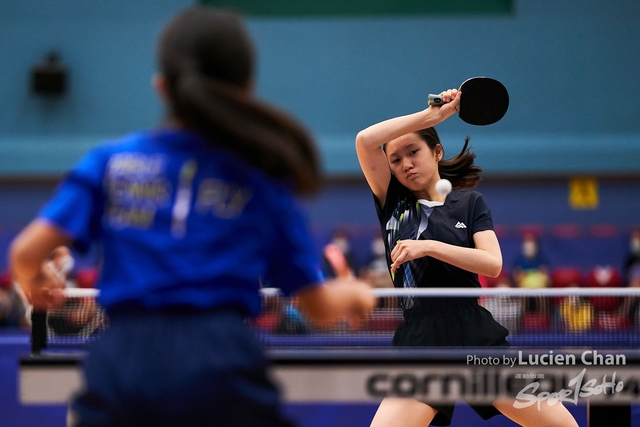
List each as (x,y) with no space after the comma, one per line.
(544,317)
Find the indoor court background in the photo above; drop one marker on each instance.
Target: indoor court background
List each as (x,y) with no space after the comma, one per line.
(571,68)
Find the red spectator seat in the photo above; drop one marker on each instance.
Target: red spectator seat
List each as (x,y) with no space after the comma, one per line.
(492,282)
(567,277)
(604,277)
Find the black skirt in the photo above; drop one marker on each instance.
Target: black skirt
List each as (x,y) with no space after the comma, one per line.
(447,322)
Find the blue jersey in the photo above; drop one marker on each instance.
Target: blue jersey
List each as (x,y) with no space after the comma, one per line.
(181,222)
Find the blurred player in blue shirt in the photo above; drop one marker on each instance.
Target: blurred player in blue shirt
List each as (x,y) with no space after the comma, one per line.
(190,218)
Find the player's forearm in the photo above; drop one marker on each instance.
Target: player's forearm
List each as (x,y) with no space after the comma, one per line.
(475,260)
(381,133)
(26,268)
(30,249)
(320,304)
(25,259)
(336,299)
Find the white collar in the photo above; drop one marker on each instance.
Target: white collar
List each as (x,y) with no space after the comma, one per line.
(429,203)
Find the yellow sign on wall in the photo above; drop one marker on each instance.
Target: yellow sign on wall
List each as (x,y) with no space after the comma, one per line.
(583,193)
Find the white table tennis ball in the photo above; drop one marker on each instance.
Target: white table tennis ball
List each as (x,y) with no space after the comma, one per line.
(443,187)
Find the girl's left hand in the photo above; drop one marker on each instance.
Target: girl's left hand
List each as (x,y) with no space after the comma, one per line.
(408,250)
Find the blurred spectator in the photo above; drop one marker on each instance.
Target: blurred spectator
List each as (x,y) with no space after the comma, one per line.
(376,270)
(564,277)
(502,280)
(13,307)
(632,263)
(335,263)
(270,314)
(280,314)
(530,269)
(631,274)
(506,309)
(576,313)
(340,241)
(292,321)
(604,277)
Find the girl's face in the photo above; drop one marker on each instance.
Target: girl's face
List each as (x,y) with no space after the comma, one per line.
(413,163)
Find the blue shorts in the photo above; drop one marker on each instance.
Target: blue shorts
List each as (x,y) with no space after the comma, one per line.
(177,367)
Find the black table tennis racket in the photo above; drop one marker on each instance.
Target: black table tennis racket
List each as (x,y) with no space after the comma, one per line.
(484,101)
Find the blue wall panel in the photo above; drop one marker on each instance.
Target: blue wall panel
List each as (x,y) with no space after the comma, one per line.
(516,205)
(568,65)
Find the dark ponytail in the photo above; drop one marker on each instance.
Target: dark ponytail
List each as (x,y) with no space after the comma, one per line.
(460,169)
(206,56)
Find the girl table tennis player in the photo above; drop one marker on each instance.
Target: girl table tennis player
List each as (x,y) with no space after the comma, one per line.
(436,240)
(190,217)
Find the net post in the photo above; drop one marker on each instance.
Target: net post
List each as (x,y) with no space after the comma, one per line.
(38,331)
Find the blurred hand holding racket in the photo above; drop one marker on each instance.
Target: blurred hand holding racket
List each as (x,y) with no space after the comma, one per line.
(484,101)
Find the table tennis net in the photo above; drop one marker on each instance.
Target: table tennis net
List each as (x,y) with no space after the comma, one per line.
(541,318)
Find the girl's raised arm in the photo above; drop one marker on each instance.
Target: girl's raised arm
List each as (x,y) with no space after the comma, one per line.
(369,141)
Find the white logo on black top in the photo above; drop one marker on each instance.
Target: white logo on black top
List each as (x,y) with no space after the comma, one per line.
(460,225)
